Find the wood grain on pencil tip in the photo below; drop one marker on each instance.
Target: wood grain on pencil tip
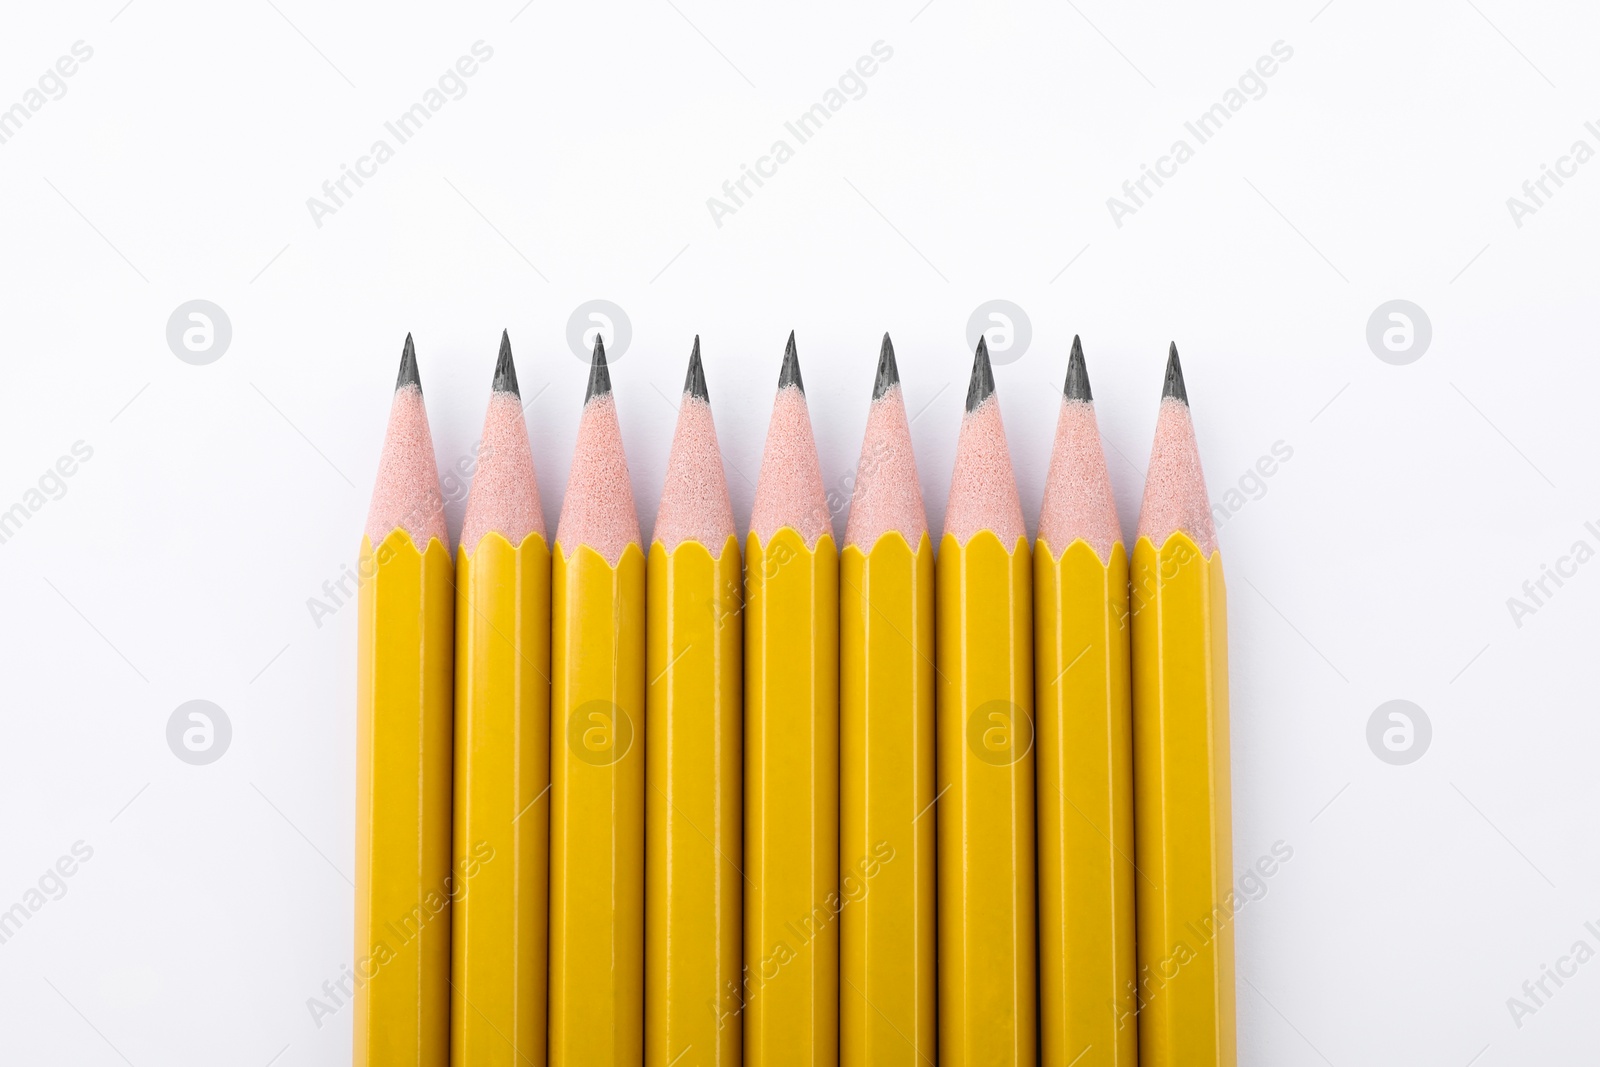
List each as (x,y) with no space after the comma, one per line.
(1175,487)
(505,494)
(694,500)
(789,488)
(983,488)
(597,509)
(1078,502)
(886,496)
(406,493)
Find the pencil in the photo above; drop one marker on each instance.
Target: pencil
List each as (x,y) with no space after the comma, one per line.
(987,1005)
(791,931)
(499,947)
(597,758)
(403,691)
(1085,792)
(888,1000)
(1182,810)
(694,842)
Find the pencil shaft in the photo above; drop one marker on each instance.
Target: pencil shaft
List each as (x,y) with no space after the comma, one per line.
(597,817)
(500,942)
(403,888)
(791,993)
(987,990)
(1085,805)
(888,999)
(1183,826)
(693,800)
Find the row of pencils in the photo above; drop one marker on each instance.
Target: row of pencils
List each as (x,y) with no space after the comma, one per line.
(664,804)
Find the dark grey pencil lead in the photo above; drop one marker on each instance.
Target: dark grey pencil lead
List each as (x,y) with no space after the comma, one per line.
(408,367)
(1173,386)
(599,374)
(981,387)
(790,374)
(888,371)
(1077,387)
(505,371)
(695,382)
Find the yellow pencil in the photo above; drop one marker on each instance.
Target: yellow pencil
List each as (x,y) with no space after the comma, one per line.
(790,993)
(403,690)
(694,822)
(1085,792)
(1183,819)
(987,990)
(887,998)
(597,755)
(499,947)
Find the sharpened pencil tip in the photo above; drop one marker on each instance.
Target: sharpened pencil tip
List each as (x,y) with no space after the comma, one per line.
(1173,386)
(408,367)
(1077,387)
(695,382)
(888,371)
(981,387)
(599,373)
(505,371)
(790,374)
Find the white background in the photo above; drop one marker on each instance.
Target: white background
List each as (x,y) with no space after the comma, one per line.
(219,498)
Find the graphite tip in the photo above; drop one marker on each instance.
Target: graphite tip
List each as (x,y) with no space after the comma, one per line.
(981,387)
(790,374)
(408,367)
(1173,386)
(695,382)
(888,372)
(505,371)
(1077,387)
(599,374)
